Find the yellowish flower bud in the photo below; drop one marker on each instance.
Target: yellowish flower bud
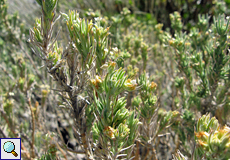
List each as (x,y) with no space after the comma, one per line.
(109,131)
(153,85)
(130,84)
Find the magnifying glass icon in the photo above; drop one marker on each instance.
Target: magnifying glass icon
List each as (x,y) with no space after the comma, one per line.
(9,147)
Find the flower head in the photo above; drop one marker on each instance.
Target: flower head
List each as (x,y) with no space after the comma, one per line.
(109,131)
(130,84)
(153,85)
(97,81)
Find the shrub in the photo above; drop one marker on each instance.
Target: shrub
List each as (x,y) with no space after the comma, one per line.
(124,93)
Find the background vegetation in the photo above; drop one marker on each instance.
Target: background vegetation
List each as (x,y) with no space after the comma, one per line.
(134,79)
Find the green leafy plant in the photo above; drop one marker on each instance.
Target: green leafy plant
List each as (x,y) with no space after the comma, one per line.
(126,86)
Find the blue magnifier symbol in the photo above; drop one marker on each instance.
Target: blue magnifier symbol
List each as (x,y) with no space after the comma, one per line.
(9,147)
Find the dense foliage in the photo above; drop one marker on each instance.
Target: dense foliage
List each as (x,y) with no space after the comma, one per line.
(122,80)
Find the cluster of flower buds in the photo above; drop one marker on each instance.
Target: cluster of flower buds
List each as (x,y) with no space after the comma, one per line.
(176,21)
(213,141)
(121,132)
(130,85)
(96,82)
(109,131)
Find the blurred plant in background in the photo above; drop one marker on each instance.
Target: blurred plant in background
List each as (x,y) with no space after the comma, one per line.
(24,93)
